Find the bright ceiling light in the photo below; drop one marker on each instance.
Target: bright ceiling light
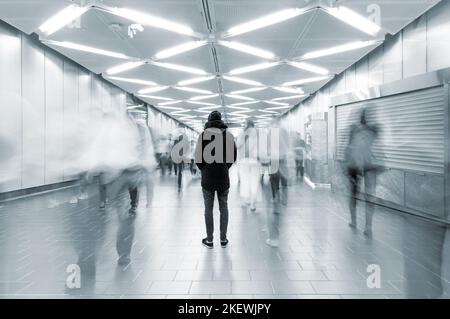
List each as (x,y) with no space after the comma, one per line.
(181,68)
(124,67)
(304,81)
(195,90)
(244,103)
(180,111)
(276,103)
(205,108)
(249,90)
(265,21)
(309,67)
(289,90)
(247,49)
(85,48)
(136,81)
(268,111)
(170,103)
(339,49)
(201,103)
(292,97)
(188,46)
(278,107)
(239,97)
(196,80)
(154,97)
(354,19)
(238,107)
(169,107)
(254,67)
(152,89)
(150,20)
(203,97)
(241,80)
(62,18)
(241,112)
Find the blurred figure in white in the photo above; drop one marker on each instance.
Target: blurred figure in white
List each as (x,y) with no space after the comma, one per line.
(192,166)
(249,168)
(279,156)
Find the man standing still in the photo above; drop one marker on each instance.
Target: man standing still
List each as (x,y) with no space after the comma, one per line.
(215,153)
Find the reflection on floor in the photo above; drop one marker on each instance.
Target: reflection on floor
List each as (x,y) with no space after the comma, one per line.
(45,238)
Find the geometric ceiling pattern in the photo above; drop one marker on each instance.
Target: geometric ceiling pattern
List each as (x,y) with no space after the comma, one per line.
(248,59)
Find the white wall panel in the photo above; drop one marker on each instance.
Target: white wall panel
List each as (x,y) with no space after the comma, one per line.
(70,115)
(376,67)
(33,114)
(415,48)
(438,30)
(54,118)
(10,110)
(362,75)
(84,93)
(393,59)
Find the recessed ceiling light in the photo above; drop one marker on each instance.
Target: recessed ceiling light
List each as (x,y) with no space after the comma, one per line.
(150,20)
(254,67)
(124,67)
(241,80)
(179,49)
(247,49)
(196,80)
(85,48)
(304,81)
(152,89)
(62,18)
(178,67)
(195,90)
(339,49)
(136,81)
(265,21)
(276,103)
(309,67)
(354,19)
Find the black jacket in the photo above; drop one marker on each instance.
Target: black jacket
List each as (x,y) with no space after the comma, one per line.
(215,162)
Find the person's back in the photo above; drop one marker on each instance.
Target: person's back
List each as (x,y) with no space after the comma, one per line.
(214,155)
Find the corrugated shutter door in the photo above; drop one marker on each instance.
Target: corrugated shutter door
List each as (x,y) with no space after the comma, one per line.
(412,129)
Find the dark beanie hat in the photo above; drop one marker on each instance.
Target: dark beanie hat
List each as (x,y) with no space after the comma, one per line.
(215,116)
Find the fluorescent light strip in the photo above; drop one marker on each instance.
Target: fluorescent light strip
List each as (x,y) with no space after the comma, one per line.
(136,81)
(309,67)
(124,67)
(195,90)
(239,97)
(304,81)
(188,46)
(265,21)
(278,108)
(205,108)
(179,112)
(170,103)
(152,89)
(238,107)
(196,80)
(339,49)
(247,49)
(248,90)
(200,103)
(85,48)
(150,20)
(156,97)
(62,18)
(276,103)
(354,19)
(244,103)
(289,97)
(268,111)
(241,112)
(203,97)
(241,80)
(169,107)
(288,89)
(254,67)
(178,67)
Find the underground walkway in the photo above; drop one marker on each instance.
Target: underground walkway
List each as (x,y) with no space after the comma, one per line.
(42,237)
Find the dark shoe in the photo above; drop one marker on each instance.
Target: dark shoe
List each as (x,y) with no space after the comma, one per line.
(132,211)
(124,260)
(207,244)
(224,243)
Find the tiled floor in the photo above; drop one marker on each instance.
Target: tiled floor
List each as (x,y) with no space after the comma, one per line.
(319,255)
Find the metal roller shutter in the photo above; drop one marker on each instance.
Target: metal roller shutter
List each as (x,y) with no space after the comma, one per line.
(412,129)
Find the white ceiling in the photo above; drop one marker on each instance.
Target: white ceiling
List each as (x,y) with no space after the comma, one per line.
(287,40)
